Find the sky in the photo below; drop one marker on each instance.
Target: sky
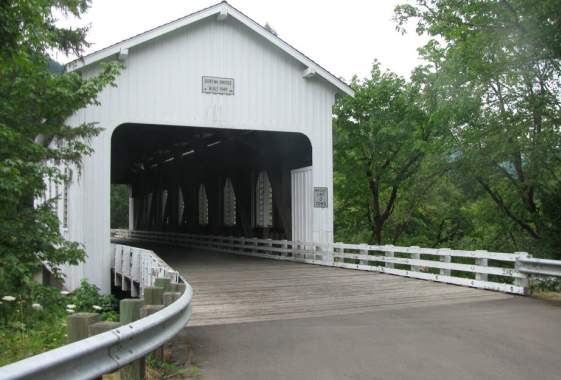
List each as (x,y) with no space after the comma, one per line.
(343,36)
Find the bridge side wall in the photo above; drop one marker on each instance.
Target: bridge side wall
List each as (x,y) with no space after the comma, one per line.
(162,85)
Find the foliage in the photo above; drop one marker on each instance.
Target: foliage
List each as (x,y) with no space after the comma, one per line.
(119,206)
(36,321)
(382,137)
(37,146)
(545,285)
(87,298)
(496,68)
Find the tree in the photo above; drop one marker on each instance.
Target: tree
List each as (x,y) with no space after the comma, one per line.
(497,67)
(119,206)
(36,144)
(382,136)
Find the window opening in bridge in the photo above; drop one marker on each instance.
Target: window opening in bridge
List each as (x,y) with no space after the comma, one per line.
(180,205)
(264,207)
(203,206)
(165,217)
(229,204)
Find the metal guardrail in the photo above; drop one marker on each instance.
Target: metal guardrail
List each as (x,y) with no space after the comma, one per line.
(101,354)
(539,267)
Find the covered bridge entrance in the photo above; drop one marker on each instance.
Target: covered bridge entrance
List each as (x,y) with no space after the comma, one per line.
(218,126)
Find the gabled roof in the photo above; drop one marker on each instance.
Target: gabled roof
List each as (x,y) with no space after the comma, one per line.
(221,11)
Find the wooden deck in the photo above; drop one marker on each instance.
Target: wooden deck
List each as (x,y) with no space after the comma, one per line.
(233,289)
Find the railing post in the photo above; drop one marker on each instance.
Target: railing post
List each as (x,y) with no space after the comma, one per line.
(415,256)
(284,246)
(445,259)
(101,327)
(390,254)
(522,282)
(364,251)
(339,250)
(327,255)
(483,263)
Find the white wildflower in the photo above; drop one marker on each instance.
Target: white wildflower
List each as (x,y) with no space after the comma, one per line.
(71,306)
(36,306)
(70,311)
(95,307)
(64,292)
(8,298)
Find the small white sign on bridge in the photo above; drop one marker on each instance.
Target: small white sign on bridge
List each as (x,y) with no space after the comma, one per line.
(320,197)
(219,86)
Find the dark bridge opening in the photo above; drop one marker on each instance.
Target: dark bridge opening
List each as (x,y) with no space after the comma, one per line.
(208,180)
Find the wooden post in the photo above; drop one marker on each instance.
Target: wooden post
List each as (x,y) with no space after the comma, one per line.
(153,295)
(163,283)
(445,259)
(340,251)
(101,327)
(130,312)
(284,246)
(523,282)
(364,251)
(180,287)
(415,256)
(145,311)
(483,263)
(170,297)
(390,254)
(78,325)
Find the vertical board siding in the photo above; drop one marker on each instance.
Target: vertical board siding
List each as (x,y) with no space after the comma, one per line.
(302,190)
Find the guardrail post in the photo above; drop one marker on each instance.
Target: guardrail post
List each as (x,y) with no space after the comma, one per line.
(483,263)
(522,282)
(78,325)
(145,311)
(153,295)
(340,251)
(170,297)
(415,256)
(364,251)
(101,327)
(390,254)
(130,312)
(164,283)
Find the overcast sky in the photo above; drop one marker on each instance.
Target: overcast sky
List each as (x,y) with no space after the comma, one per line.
(342,36)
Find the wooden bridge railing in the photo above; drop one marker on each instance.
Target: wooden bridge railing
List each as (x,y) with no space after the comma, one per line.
(479,269)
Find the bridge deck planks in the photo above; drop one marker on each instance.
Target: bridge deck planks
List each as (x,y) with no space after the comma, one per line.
(233,289)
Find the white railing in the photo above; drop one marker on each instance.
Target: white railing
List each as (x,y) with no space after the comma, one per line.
(106,352)
(480,269)
(136,268)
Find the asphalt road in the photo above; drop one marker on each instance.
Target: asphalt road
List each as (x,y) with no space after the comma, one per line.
(505,339)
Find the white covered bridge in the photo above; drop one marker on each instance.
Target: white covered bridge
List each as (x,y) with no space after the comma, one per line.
(218,127)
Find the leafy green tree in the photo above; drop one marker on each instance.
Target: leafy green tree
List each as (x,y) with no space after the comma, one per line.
(119,206)
(496,65)
(36,144)
(382,136)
